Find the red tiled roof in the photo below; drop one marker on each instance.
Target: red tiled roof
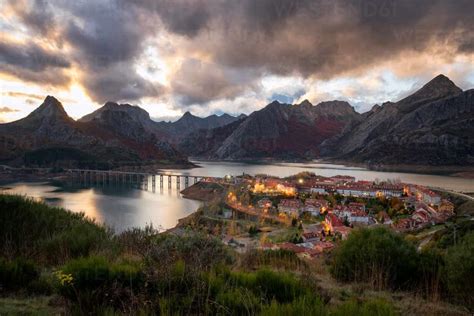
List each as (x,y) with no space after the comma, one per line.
(290,203)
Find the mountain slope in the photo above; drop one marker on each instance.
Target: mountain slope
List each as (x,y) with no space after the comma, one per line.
(287,131)
(433,126)
(205,142)
(188,124)
(109,138)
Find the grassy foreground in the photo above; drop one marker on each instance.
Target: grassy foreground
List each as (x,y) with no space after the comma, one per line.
(56,262)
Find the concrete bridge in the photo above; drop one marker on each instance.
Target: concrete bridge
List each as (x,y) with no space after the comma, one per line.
(142,179)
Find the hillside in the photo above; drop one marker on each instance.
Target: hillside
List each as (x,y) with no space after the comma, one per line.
(283,131)
(433,126)
(48,136)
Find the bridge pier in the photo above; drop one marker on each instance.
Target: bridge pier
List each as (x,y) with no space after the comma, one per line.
(186,181)
(178,184)
(169,182)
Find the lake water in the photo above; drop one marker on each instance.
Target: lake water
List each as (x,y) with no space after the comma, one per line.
(125,207)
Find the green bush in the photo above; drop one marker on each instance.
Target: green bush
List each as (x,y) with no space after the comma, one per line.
(94,283)
(460,271)
(198,251)
(45,234)
(17,274)
(377,256)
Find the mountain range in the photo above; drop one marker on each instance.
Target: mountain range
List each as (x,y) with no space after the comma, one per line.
(433,126)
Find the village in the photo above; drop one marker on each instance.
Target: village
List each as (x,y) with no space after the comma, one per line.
(307,214)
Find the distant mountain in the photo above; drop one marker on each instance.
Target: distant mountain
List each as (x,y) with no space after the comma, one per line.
(433,126)
(204,143)
(190,123)
(279,131)
(125,119)
(113,136)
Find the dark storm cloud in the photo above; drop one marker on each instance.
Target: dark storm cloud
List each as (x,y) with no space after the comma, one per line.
(104,34)
(31,62)
(311,38)
(321,37)
(31,57)
(35,14)
(185,17)
(198,82)
(119,83)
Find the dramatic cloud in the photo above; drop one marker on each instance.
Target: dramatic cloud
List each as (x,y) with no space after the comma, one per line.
(118,82)
(31,62)
(200,82)
(205,54)
(36,15)
(328,38)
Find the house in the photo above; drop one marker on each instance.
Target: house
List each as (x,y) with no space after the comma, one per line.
(319,189)
(357,206)
(389,190)
(264,203)
(357,191)
(421,217)
(330,222)
(359,217)
(426,195)
(446,207)
(292,207)
(343,179)
(404,224)
(315,207)
(310,236)
(343,212)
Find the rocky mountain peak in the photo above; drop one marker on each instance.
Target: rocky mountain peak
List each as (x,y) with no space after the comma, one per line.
(187,114)
(134,112)
(50,108)
(439,87)
(306,103)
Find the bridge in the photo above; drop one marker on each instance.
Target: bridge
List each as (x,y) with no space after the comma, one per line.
(109,177)
(106,177)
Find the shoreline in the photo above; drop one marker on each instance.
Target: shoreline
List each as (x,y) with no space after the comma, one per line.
(465,172)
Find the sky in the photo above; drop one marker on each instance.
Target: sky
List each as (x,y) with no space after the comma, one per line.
(234,56)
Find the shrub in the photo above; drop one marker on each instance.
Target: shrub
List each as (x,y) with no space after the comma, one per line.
(94,283)
(430,273)
(17,274)
(36,231)
(378,256)
(460,271)
(280,259)
(198,251)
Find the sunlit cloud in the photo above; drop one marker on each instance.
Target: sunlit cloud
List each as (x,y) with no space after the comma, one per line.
(227,56)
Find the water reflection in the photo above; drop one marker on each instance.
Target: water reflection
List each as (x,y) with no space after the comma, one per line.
(121,206)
